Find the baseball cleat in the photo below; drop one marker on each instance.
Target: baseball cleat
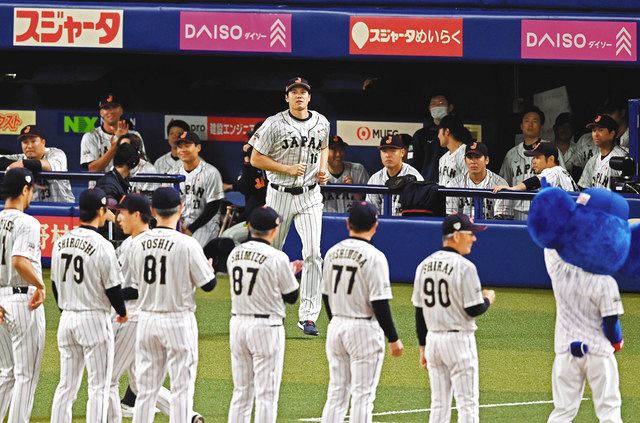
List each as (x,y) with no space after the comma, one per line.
(301,324)
(309,328)
(197,418)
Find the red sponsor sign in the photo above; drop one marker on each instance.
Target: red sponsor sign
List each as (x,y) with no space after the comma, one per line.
(220,128)
(52,228)
(12,121)
(399,36)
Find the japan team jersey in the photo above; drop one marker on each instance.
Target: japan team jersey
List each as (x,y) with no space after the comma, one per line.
(202,185)
(492,206)
(597,172)
(123,254)
(83,267)
(354,274)
(445,284)
(558,176)
(380,178)
(258,277)
(167,165)
(451,165)
(95,143)
(19,236)
(168,266)
(144,167)
(340,202)
(289,141)
(582,300)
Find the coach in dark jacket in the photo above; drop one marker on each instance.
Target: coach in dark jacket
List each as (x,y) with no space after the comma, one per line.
(116,182)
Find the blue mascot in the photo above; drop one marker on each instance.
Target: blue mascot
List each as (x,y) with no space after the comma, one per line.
(586,241)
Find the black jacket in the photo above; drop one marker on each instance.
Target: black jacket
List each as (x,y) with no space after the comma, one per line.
(427,152)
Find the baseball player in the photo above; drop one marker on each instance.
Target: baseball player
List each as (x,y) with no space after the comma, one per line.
(545,165)
(98,147)
(597,172)
(37,157)
(168,267)
(341,172)
(201,191)
(86,282)
(448,297)
(291,147)
(392,152)
(476,158)
(169,162)
(22,292)
(588,331)
(454,136)
(262,280)
(356,291)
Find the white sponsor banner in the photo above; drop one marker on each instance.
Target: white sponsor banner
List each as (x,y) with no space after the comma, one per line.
(64,27)
(355,132)
(552,103)
(198,124)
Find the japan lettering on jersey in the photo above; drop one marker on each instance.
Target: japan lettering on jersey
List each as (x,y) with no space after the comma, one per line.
(289,141)
(354,274)
(202,185)
(380,178)
(445,284)
(168,267)
(19,236)
(340,202)
(451,165)
(83,267)
(259,275)
(96,143)
(558,176)
(597,173)
(491,207)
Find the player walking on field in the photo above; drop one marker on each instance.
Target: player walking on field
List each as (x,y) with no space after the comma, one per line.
(86,282)
(291,147)
(22,325)
(169,266)
(448,297)
(262,280)
(356,293)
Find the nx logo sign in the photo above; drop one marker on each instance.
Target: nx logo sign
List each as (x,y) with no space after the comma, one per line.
(79,124)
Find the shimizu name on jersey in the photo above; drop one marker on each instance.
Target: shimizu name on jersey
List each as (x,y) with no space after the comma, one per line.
(253,256)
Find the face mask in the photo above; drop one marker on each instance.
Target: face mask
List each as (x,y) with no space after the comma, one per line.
(438,112)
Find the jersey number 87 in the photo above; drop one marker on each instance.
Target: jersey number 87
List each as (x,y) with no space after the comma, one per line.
(236,275)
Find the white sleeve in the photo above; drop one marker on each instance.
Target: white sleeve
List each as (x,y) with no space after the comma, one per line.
(13,156)
(57,160)
(111,274)
(471,288)
(586,180)
(360,175)
(417,288)
(325,138)
(89,148)
(199,270)
(502,206)
(27,240)
(286,279)
(262,139)
(214,189)
(375,199)
(608,299)
(506,172)
(379,283)
(326,276)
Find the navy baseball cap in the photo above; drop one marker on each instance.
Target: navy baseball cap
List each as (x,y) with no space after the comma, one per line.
(363,214)
(135,203)
(476,149)
(264,219)
(391,141)
(297,82)
(603,121)
(108,100)
(544,148)
(336,142)
(15,180)
(29,131)
(92,199)
(165,198)
(604,200)
(188,137)
(460,222)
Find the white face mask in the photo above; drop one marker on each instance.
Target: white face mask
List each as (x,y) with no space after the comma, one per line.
(438,112)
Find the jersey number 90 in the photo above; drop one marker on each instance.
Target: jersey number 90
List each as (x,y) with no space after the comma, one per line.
(429,290)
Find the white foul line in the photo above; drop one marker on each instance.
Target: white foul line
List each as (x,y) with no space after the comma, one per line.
(425,410)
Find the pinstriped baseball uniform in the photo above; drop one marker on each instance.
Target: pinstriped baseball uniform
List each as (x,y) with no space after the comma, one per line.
(597,172)
(582,300)
(22,334)
(445,284)
(571,157)
(451,165)
(202,185)
(340,202)
(558,176)
(169,266)
(95,143)
(57,191)
(167,165)
(586,149)
(380,178)
(355,273)
(83,267)
(289,141)
(492,207)
(144,187)
(259,276)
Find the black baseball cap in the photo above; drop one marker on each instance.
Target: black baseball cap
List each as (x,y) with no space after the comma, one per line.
(363,215)
(188,137)
(460,222)
(336,142)
(297,82)
(264,219)
(92,199)
(165,198)
(391,141)
(29,131)
(603,121)
(476,149)
(135,203)
(108,100)
(543,148)
(15,180)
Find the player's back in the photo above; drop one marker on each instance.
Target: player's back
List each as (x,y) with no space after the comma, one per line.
(83,266)
(355,274)
(258,277)
(14,223)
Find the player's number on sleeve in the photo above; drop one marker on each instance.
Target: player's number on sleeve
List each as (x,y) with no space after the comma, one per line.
(151,271)
(237,274)
(442,289)
(352,278)
(78,267)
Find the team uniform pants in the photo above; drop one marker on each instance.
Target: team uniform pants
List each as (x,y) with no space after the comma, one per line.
(257,355)
(452,362)
(166,342)
(305,211)
(124,360)
(569,375)
(355,351)
(85,339)
(21,348)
